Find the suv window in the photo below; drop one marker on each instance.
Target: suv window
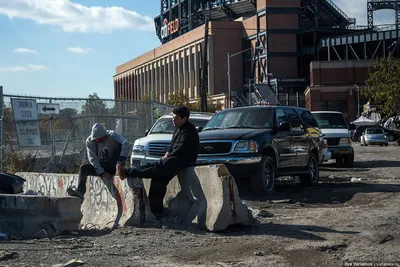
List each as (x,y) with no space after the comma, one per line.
(308,119)
(241,118)
(280,116)
(294,120)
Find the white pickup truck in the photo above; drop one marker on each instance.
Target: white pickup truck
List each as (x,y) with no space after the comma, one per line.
(157,141)
(336,133)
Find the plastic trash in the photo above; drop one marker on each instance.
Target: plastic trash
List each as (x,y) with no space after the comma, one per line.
(11,184)
(4,236)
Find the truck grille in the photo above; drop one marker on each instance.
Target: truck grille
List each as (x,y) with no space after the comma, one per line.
(333,141)
(158,149)
(214,148)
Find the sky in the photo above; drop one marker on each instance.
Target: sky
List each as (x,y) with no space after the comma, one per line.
(70,48)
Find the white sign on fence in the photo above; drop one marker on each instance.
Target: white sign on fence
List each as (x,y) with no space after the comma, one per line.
(47,108)
(26,117)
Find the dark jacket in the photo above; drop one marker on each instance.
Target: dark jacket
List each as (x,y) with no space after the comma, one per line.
(185,142)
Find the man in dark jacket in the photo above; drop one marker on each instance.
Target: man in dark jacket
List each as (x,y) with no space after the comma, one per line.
(181,155)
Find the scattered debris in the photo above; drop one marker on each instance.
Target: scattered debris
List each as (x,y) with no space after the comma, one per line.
(73,263)
(265,214)
(282,201)
(117,246)
(386,239)
(259,253)
(353,179)
(6,255)
(332,248)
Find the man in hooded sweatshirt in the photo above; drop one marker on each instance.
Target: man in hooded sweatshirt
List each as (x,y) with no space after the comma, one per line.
(105,150)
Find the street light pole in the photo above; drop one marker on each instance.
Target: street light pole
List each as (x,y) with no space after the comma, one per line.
(358,100)
(229,80)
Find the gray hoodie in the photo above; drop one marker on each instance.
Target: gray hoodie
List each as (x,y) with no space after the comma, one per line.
(102,151)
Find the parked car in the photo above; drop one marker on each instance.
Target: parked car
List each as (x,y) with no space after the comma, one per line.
(374,136)
(391,134)
(157,140)
(264,142)
(335,130)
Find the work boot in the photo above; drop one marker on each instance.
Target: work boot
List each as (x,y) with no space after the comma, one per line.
(73,192)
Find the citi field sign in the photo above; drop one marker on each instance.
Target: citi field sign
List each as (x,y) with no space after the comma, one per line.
(169,28)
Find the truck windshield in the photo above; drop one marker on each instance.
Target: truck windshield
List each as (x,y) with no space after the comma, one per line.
(330,120)
(241,118)
(166,126)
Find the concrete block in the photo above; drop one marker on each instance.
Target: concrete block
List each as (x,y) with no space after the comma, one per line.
(108,203)
(25,216)
(207,196)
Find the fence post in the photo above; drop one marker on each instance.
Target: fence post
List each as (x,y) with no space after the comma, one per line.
(52,137)
(1,127)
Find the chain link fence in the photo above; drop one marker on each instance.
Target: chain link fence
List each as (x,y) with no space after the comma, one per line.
(55,142)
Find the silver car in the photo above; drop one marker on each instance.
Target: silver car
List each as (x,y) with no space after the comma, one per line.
(374,136)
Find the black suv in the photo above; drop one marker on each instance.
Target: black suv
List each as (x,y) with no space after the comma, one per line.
(264,142)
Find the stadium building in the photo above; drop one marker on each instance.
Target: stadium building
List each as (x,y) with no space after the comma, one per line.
(240,52)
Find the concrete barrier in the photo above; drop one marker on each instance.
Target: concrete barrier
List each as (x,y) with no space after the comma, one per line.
(204,195)
(27,216)
(207,196)
(107,203)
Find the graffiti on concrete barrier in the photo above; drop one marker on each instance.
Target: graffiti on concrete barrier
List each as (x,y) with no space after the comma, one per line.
(105,200)
(98,193)
(49,184)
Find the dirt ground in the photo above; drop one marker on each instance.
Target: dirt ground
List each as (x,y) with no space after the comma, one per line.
(352,215)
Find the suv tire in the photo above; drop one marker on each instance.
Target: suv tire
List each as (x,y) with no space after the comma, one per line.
(312,176)
(263,182)
(349,160)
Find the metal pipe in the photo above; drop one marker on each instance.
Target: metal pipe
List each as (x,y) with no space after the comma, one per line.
(229,80)
(249,93)
(358,100)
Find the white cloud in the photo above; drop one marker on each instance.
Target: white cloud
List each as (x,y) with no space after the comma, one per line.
(79,50)
(24,51)
(73,17)
(26,67)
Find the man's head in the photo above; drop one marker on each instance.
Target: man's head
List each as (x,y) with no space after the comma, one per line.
(180,115)
(98,132)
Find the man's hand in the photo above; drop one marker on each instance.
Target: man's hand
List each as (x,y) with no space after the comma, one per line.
(165,156)
(106,176)
(120,172)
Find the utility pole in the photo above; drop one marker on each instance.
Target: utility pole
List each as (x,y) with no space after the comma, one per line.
(204,83)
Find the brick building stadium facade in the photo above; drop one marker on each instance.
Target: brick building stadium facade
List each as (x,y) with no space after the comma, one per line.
(285,49)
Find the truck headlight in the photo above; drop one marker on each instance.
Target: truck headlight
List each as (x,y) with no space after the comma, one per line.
(345,140)
(138,150)
(246,147)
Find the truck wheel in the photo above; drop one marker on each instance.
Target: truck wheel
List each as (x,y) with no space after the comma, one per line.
(263,182)
(312,176)
(349,160)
